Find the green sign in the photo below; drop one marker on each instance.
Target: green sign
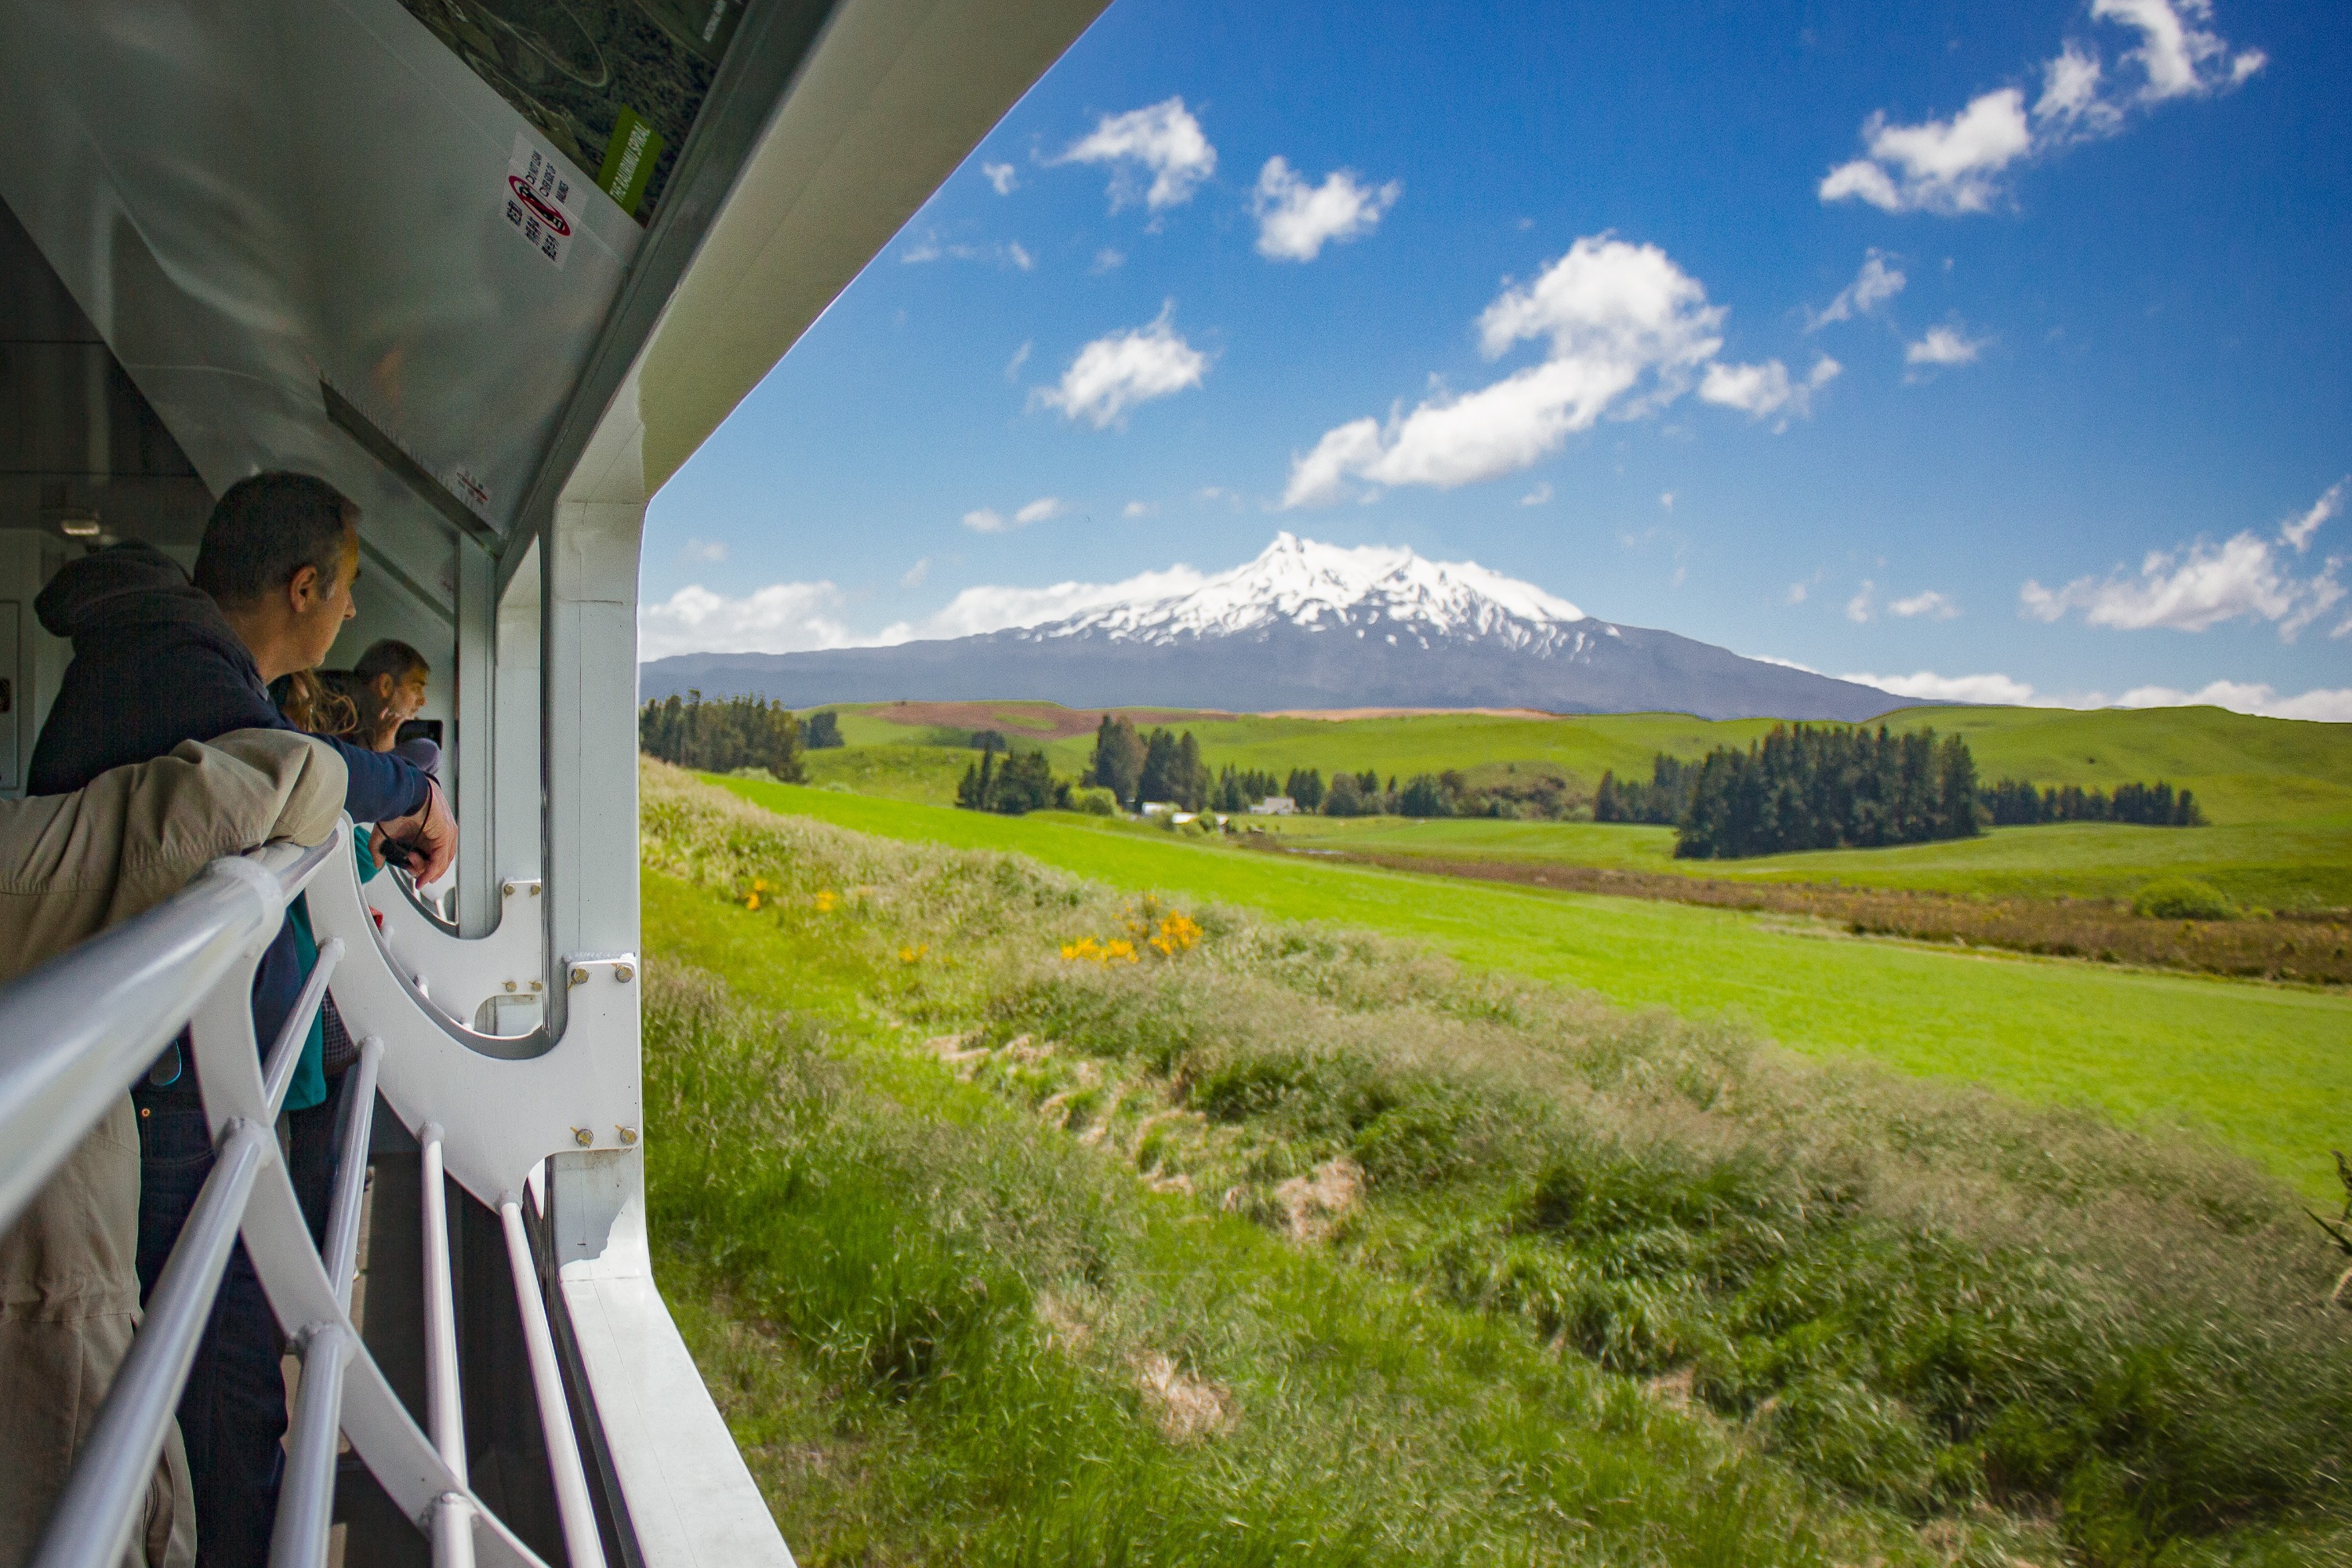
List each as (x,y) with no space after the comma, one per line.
(629,160)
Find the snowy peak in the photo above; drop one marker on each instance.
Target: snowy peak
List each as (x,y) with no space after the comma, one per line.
(1323,587)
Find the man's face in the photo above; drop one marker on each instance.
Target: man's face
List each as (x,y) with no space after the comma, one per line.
(320,608)
(403,699)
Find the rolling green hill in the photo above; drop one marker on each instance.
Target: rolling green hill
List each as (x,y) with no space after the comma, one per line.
(2264,1067)
(2278,792)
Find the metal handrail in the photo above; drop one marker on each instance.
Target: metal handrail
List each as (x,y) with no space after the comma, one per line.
(78,1031)
(93,1519)
(74,1035)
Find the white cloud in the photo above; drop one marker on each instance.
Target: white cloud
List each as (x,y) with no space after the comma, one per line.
(1537,496)
(913,577)
(2332,707)
(2297,531)
(1108,260)
(1931,602)
(1003,176)
(1163,140)
(1625,329)
(1930,687)
(1666,500)
(1956,165)
(784,617)
(1136,509)
(1874,286)
(1938,165)
(2239,697)
(1759,390)
(988,519)
(1117,371)
(712,550)
(1020,357)
(996,607)
(928,249)
(1943,346)
(2202,585)
(1863,604)
(1797,592)
(1295,219)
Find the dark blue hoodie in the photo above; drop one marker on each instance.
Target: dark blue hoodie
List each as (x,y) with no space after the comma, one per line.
(156,664)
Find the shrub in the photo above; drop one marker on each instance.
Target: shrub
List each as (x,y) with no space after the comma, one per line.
(2183,898)
(1093,801)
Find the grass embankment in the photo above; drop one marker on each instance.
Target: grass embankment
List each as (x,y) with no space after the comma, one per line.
(1419,1232)
(2266,1069)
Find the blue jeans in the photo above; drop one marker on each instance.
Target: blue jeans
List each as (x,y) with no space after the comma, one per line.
(233,1410)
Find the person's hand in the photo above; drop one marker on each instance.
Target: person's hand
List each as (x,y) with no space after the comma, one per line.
(430,830)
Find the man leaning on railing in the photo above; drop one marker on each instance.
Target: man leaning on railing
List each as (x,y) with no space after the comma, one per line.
(70,866)
(159,660)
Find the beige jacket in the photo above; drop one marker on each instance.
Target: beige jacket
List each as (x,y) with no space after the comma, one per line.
(71,865)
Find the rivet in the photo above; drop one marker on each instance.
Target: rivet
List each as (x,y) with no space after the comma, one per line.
(580,977)
(534,890)
(511,986)
(536,986)
(582,1136)
(628,1135)
(506,888)
(624,974)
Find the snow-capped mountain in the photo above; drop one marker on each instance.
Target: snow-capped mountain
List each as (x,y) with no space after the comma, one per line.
(1323,587)
(1307,626)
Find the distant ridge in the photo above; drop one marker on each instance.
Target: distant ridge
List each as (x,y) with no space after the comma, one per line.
(1307,626)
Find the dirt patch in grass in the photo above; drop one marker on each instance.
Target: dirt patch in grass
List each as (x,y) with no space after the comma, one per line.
(1030,720)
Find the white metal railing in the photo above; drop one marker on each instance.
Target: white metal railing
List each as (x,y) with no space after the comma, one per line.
(77,1033)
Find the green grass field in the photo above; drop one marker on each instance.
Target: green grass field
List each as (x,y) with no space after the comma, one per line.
(2266,1069)
(2279,793)
(1299,1244)
(2244,769)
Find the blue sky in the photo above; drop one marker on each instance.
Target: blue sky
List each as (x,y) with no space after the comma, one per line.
(2003,348)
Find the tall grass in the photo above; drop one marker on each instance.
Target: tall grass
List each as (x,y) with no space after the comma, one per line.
(1930,1301)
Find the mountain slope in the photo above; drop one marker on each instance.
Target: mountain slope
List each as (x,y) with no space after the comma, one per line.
(1307,626)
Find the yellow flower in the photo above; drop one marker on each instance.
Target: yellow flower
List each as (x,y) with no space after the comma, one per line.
(751,900)
(909,955)
(759,884)
(826,899)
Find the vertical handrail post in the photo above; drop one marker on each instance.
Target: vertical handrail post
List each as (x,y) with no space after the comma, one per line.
(93,1520)
(581,1541)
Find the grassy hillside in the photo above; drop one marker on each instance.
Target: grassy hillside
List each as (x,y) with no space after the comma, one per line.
(2266,1068)
(1258,1242)
(2279,793)
(2244,769)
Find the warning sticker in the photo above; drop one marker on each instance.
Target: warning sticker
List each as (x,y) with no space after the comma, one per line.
(541,199)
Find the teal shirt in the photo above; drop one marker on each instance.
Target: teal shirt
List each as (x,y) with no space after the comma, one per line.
(309,1086)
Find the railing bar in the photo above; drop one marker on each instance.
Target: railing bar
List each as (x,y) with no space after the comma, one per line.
(444,1412)
(306,1498)
(341,1253)
(453,1531)
(79,1030)
(93,1520)
(295,876)
(581,1542)
(285,1053)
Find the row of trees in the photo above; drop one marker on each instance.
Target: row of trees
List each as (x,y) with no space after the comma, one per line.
(722,737)
(1820,787)
(2014,803)
(1661,801)
(1161,765)
(1024,782)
